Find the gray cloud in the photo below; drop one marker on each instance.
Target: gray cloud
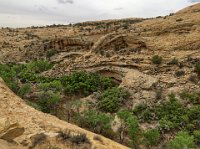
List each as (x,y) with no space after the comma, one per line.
(65,1)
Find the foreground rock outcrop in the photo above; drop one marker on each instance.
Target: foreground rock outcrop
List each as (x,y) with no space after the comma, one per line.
(9,131)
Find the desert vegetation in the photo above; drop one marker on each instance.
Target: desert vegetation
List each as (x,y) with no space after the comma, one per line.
(170,115)
(156,59)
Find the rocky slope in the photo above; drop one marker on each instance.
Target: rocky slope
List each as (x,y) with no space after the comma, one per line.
(120,49)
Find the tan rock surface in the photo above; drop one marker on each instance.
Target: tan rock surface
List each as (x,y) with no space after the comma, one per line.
(7,145)
(11,131)
(138,80)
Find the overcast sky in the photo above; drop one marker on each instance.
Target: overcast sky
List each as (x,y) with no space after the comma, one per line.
(22,13)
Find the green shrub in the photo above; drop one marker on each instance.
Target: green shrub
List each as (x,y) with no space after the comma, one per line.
(24,73)
(107,83)
(34,105)
(45,79)
(80,138)
(197,68)
(171,115)
(194,78)
(29,72)
(174,61)
(181,64)
(194,114)
(26,88)
(95,121)
(182,140)
(165,125)
(172,112)
(74,138)
(39,66)
(9,76)
(112,99)
(50,53)
(129,123)
(12,84)
(156,59)
(144,113)
(196,135)
(37,139)
(189,127)
(134,131)
(85,83)
(18,68)
(26,76)
(54,86)
(147,115)
(64,135)
(159,93)
(139,108)
(151,137)
(179,73)
(191,97)
(48,101)
(81,82)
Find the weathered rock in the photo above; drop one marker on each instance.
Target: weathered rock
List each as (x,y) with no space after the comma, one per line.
(12,133)
(148,96)
(63,43)
(9,131)
(4,124)
(116,124)
(137,80)
(118,43)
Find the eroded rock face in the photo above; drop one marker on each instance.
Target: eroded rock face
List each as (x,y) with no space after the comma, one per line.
(65,44)
(4,123)
(140,86)
(113,43)
(138,81)
(10,131)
